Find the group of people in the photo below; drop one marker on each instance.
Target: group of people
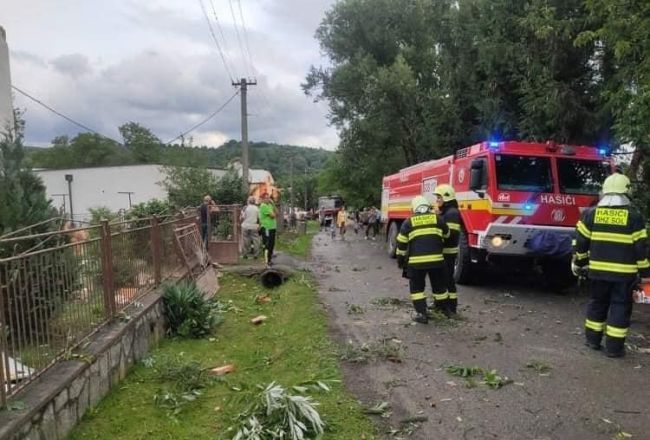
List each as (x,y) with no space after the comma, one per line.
(368,219)
(256,221)
(259,221)
(610,249)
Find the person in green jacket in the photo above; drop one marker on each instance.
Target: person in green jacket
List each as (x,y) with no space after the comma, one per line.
(268,225)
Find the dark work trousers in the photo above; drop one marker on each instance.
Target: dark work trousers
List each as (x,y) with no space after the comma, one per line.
(417,285)
(268,241)
(205,236)
(608,312)
(452,300)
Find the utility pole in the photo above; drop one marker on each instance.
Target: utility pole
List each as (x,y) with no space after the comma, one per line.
(306,189)
(291,183)
(69,178)
(129,194)
(243,88)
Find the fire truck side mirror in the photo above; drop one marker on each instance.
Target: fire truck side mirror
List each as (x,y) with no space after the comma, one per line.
(478,176)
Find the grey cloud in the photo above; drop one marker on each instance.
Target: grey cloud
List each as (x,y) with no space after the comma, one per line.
(27,57)
(179,79)
(74,64)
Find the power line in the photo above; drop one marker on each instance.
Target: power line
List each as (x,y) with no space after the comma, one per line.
(241,45)
(215,113)
(214,38)
(58,113)
(219,27)
(243,25)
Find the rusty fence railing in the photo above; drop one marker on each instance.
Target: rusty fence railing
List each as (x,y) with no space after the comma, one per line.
(53,298)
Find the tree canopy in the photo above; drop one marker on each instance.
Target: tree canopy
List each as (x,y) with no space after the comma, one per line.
(413,80)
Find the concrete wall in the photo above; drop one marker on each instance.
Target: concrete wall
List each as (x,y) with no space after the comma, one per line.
(95,187)
(6,106)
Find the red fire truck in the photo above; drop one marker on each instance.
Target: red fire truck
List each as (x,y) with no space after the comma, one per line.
(519,201)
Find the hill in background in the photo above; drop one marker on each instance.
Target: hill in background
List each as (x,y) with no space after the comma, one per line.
(95,152)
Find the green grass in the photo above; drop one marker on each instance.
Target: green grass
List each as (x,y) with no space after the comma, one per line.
(290,347)
(295,244)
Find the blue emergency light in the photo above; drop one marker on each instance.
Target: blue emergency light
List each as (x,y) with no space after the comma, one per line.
(528,207)
(602,151)
(494,145)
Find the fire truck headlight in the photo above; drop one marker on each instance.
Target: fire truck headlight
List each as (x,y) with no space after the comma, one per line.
(497,241)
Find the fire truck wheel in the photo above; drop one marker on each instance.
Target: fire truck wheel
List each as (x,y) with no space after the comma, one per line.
(557,274)
(392,239)
(465,271)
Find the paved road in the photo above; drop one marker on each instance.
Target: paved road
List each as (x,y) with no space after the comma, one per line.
(507,324)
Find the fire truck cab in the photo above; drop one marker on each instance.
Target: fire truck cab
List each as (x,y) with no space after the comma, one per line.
(518,200)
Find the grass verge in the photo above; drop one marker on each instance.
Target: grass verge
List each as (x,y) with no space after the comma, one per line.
(290,347)
(296,244)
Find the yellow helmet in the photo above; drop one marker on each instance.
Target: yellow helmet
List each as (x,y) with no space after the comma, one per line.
(616,184)
(446,192)
(419,203)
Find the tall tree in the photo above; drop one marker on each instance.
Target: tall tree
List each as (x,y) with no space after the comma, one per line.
(144,145)
(22,193)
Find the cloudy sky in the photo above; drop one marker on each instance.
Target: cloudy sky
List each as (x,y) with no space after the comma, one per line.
(104,63)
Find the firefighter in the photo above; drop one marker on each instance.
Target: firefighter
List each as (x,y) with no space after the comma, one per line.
(611,241)
(419,252)
(448,207)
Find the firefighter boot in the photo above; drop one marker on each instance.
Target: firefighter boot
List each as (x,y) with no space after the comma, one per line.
(453,303)
(593,334)
(420,306)
(615,341)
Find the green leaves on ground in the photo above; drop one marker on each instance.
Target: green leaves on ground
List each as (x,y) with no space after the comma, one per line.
(490,377)
(276,413)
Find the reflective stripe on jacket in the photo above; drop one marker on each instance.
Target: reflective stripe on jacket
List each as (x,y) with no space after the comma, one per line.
(451,216)
(613,242)
(421,240)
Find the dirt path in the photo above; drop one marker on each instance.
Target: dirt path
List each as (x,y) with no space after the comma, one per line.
(506,326)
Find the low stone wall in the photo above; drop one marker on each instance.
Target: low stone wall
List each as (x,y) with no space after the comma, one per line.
(59,398)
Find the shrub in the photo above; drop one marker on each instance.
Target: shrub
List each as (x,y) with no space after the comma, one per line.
(188,313)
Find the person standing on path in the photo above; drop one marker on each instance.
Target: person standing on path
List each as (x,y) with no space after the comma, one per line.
(612,241)
(341,218)
(269,224)
(419,251)
(372,224)
(448,207)
(250,225)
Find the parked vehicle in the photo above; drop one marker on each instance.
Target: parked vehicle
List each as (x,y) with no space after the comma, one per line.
(328,207)
(519,201)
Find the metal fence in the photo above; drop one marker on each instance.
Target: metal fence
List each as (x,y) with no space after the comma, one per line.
(53,298)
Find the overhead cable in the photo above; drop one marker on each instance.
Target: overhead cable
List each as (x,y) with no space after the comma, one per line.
(58,113)
(243,25)
(216,40)
(215,113)
(239,40)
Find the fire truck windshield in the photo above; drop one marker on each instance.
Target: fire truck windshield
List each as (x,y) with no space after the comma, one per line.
(582,176)
(523,173)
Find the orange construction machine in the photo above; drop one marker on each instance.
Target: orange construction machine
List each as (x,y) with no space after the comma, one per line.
(519,201)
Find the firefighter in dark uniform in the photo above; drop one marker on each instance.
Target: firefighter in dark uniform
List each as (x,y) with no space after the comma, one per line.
(419,252)
(611,240)
(448,207)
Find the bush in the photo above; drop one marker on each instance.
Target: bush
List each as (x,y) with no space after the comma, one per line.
(188,313)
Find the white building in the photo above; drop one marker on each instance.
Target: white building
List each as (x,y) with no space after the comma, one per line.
(111,187)
(6,106)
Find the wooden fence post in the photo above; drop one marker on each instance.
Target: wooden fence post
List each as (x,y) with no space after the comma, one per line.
(107,270)
(156,250)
